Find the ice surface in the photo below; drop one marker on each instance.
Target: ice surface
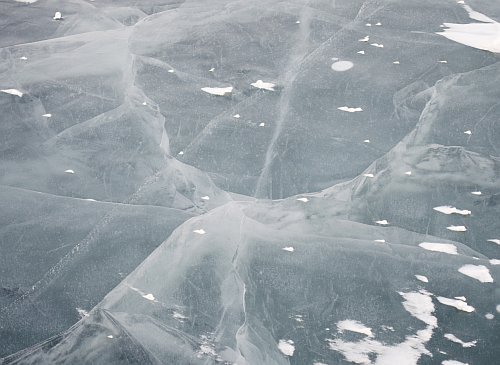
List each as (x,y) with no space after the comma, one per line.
(258,183)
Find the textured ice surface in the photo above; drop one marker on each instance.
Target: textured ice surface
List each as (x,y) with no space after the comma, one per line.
(205,182)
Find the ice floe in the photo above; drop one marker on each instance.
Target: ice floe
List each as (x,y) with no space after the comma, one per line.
(489,316)
(456,303)
(219,91)
(478,272)
(448,209)
(439,247)
(286,347)
(495,262)
(455,339)
(494,240)
(259,84)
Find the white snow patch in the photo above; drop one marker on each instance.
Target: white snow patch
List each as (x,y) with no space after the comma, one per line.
(408,173)
(259,84)
(478,272)
(489,316)
(304,200)
(288,248)
(220,91)
(211,70)
(349,109)
(179,316)
(368,24)
(455,339)
(361,52)
(24,58)
(383,222)
(365,39)
(57,16)
(368,175)
(476,193)
(109,336)
(422,278)
(406,353)
(199,231)
(380,241)
(458,304)
(342,66)
(206,197)
(286,347)
(12,92)
(396,62)
(149,297)
(469,132)
(366,141)
(354,326)
(236,116)
(378,24)
(262,124)
(443,61)
(48,115)
(181,153)
(439,247)
(495,262)
(171,70)
(69,171)
(448,209)
(485,35)
(82,312)
(378,45)
(457,228)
